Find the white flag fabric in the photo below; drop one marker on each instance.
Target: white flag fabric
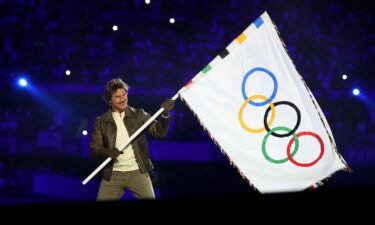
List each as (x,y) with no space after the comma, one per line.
(260,112)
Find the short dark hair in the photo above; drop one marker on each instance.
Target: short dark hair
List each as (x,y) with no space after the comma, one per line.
(112,86)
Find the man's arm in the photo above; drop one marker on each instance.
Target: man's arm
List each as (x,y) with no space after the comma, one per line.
(159,129)
(96,144)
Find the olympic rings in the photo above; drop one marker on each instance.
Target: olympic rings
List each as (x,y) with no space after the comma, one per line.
(265,140)
(248,100)
(243,107)
(274,89)
(295,127)
(305,164)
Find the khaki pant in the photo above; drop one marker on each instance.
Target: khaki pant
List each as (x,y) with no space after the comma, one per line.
(136,182)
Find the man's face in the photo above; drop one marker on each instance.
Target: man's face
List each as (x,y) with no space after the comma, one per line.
(119,100)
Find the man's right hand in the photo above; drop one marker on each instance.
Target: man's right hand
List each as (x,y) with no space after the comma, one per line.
(114,153)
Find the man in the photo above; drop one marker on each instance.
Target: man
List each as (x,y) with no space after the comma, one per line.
(129,170)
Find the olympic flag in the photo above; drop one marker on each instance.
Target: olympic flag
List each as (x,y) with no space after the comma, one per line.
(260,112)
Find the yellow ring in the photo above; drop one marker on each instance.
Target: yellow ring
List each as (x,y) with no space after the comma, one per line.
(243,107)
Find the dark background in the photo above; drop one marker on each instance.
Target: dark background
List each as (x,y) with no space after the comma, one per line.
(43,154)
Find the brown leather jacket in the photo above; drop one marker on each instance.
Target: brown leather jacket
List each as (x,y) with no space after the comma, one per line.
(104,137)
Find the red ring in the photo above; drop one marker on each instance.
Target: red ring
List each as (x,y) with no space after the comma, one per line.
(305,164)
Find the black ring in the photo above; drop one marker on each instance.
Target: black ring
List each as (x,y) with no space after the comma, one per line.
(293,130)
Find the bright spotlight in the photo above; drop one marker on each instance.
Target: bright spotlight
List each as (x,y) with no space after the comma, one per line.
(171,20)
(84,132)
(344,77)
(147,1)
(114,28)
(22,82)
(356,91)
(67,72)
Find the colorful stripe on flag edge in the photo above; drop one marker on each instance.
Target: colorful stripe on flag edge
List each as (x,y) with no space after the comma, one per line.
(320,183)
(324,122)
(231,47)
(221,149)
(316,105)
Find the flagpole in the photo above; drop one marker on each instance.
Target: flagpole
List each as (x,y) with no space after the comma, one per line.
(125,145)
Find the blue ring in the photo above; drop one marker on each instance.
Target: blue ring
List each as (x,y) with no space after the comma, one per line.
(274,82)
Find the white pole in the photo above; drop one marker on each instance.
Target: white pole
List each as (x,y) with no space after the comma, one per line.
(125,145)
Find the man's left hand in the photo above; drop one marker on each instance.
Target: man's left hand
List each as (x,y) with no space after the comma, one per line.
(168,105)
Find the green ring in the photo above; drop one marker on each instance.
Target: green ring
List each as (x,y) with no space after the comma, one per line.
(264,145)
